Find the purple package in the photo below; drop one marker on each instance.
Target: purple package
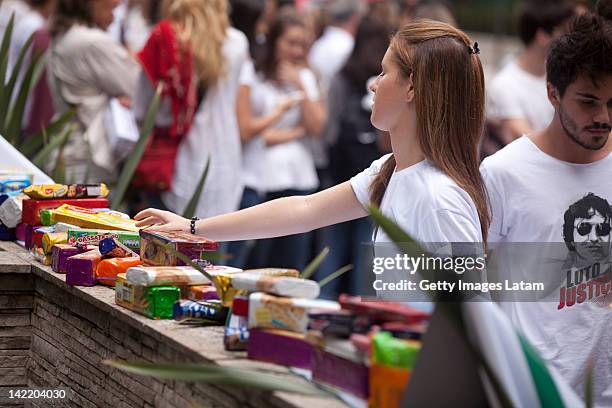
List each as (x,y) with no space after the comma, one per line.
(81,268)
(347,375)
(280,347)
(61,253)
(20,232)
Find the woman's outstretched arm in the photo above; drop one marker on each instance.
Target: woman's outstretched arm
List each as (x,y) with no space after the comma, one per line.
(284,216)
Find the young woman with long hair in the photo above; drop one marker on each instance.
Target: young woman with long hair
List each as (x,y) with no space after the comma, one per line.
(430,98)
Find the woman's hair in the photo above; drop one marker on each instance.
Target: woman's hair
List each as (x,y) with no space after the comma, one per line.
(371,42)
(449,97)
(244,16)
(71,12)
(201,25)
(268,63)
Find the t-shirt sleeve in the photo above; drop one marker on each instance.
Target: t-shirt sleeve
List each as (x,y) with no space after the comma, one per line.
(247,73)
(451,226)
(496,203)
(361,182)
(311,87)
(112,68)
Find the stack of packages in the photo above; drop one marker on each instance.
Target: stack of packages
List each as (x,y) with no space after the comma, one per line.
(164,287)
(12,184)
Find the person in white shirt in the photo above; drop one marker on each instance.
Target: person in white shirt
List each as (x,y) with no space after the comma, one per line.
(430,185)
(516,96)
(553,186)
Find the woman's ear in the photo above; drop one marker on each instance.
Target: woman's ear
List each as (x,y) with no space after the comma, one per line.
(409,90)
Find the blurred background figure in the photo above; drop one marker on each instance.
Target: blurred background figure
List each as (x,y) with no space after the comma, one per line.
(434,10)
(517,102)
(33,22)
(7,9)
(245,16)
(604,9)
(86,68)
(133,21)
(279,107)
(219,55)
(354,145)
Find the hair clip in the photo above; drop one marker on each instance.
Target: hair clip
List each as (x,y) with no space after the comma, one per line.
(474,49)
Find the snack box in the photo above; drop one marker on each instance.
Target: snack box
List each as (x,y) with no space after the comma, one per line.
(227,291)
(174,275)
(94,236)
(154,302)
(74,191)
(340,372)
(13,182)
(203,292)
(203,311)
(81,268)
(276,285)
(381,312)
(280,347)
(152,251)
(61,252)
(108,269)
(31,208)
(89,218)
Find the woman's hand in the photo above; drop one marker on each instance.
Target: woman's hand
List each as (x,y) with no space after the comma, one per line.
(159,220)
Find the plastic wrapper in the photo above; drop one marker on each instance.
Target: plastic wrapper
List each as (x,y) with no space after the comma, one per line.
(52,238)
(227,291)
(154,302)
(108,269)
(61,252)
(46,217)
(266,311)
(13,183)
(32,208)
(39,255)
(73,191)
(211,311)
(81,268)
(341,323)
(94,236)
(11,211)
(280,347)
(203,292)
(165,275)
(153,251)
(89,218)
(390,351)
(381,312)
(111,247)
(276,285)
(236,333)
(290,273)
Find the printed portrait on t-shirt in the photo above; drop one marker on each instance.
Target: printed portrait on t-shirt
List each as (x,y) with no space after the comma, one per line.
(586,232)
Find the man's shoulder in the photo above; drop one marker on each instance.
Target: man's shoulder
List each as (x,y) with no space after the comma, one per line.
(513,153)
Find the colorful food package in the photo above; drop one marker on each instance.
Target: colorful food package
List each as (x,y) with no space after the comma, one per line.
(11,210)
(33,239)
(236,333)
(73,191)
(154,302)
(240,305)
(340,323)
(203,292)
(387,386)
(210,311)
(108,269)
(227,291)
(165,275)
(61,252)
(280,347)
(20,232)
(276,285)
(290,273)
(153,251)
(46,217)
(13,182)
(89,218)
(111,247)
(267,311)
(390,351)
(346,374)
(81,268)
(94,236)
(31,208)
(52,238)
(381,312)
(39,255)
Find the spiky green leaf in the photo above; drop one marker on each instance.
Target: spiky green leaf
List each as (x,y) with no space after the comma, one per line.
(195,198)
(335,275)
(4,57)
(314,264)
(35,142)
(56,142)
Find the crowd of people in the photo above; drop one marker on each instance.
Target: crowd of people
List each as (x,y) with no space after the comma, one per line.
(311,110)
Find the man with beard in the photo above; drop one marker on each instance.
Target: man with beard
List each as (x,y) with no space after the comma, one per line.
(535,179)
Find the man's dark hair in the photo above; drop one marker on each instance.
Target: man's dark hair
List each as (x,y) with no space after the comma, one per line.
(585,50)
(604,9)
(580,209)
(244,15)
(542,15)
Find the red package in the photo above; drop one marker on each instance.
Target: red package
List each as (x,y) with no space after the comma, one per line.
(31,208)
(381,311)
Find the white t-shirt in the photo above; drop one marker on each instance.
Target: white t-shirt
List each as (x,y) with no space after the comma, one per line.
(530,193)
(214,132)
(424,201)
(516,94)
(329,53)
(287,165)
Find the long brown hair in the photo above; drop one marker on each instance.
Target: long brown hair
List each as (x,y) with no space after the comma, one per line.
(449,97)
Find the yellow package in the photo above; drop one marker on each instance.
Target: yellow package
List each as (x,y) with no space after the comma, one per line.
(51,238)
(87,218)
(223,282)
(49,191)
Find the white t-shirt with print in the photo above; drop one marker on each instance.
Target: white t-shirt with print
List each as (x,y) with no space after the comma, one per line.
(516,94)
(530,193)
(424,201)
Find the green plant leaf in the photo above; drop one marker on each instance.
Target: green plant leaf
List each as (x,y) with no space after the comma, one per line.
(4,56)
(214,374)
(334,275)
(17,108)
(195,198)
(35,142)
(314,264)
(170,248)
(56,142)
(125,178)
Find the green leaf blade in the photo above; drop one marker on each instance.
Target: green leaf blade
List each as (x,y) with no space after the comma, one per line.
(192,205)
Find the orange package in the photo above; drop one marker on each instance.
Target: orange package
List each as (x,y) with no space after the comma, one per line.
(108,269)
(387,386)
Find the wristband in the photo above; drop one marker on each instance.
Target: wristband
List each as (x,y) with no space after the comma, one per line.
(193,226)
